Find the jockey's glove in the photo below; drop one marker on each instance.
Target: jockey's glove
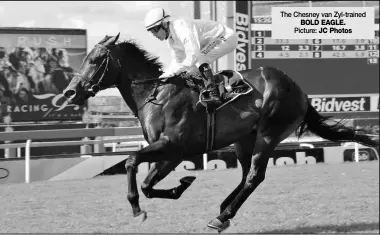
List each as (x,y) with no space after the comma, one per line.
(168,74)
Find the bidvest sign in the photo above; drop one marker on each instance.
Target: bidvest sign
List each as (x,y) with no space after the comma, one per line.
(243,32)
(345,103)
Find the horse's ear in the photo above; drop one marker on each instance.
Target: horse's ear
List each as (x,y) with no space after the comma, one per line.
(113,40)
(104,39)
(116,38)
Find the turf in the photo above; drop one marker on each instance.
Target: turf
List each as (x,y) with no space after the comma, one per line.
(292,199)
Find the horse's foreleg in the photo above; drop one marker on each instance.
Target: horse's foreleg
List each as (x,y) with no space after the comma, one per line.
(133,195)
(160,150)
(158,172)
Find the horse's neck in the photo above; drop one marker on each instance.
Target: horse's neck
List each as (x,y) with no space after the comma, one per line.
(135,95)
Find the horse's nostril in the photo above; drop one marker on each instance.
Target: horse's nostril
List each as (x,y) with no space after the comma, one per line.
(69,93)
(95,88)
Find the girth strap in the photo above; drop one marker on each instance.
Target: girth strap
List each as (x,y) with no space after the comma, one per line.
(210,129)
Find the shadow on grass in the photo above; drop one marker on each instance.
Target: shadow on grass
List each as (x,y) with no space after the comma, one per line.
(355,227)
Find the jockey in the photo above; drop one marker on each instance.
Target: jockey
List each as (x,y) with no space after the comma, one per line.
(194,45)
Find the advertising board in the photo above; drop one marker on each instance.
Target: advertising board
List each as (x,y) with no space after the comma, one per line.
(345,103)
(243,32)
(226,159)
(319,66)
(36,64)
(365,154)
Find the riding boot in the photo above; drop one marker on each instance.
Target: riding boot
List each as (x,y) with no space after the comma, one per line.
(211,86)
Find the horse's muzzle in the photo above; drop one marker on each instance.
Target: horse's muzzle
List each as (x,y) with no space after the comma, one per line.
(95,88)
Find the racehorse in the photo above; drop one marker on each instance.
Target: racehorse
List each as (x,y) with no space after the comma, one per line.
(174,123)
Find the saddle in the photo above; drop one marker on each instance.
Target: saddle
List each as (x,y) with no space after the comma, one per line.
(231,85)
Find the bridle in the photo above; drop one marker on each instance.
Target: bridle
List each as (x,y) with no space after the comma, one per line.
(95,88)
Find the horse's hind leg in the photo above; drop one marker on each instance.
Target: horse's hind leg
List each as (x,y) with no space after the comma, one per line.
(244,150)
(272,130)
(157,173)
(254,177)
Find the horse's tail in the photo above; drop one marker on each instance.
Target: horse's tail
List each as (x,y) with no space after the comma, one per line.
(336,131)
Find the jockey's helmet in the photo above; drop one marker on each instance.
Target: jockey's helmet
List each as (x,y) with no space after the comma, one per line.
(155,18)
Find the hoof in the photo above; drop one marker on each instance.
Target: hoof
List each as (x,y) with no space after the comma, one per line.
(218,225)
(187,180)
(140,217)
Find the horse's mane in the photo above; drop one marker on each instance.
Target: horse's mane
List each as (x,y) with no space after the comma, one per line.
(138,57)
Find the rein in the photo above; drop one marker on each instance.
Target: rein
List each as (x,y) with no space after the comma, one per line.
(152,96)
(139,82)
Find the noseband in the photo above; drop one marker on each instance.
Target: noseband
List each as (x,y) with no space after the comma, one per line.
(95,88)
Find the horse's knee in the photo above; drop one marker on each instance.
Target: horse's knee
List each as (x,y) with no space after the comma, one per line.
(146,189)
(130,163)
(255,180)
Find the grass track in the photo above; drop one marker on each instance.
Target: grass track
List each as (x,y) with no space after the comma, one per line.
(292,199)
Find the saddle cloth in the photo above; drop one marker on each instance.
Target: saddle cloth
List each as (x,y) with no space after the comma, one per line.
(231,85)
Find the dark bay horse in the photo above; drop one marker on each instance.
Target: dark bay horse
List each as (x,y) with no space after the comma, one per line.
(174,124)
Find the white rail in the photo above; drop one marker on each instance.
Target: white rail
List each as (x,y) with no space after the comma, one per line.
(71,143)
(27,161)
(28,144)
(70,133)
(135,138)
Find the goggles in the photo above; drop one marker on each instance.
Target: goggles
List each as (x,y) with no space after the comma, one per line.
(155,29)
